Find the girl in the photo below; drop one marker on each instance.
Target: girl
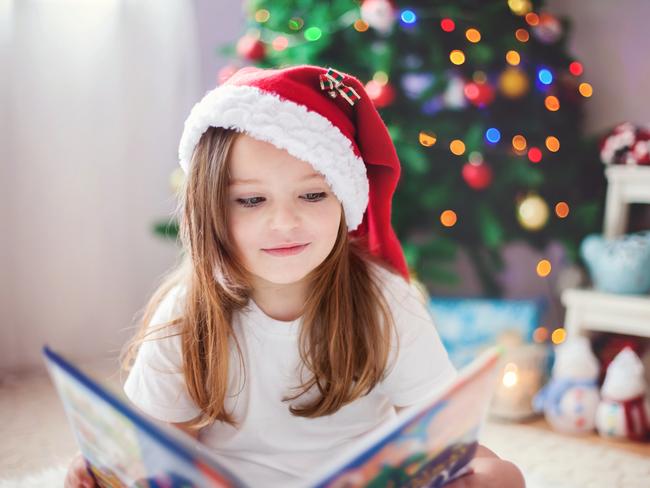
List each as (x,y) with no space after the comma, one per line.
(290,329)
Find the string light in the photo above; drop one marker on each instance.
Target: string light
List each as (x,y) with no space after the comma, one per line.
(552,103)
(519,142)
(380,77)
(586,90)
(473,35)
(427,139)
(408,17)
(457,57)
(313,34)
(562,209)
(513,58)
(447,25)
(544,268)
(575,68)
(457,147)
(534,155)
(545,76)
(280,43)
(540,334)
(361,25)
(262,16)
(520,7)
(522,35)
(552,144)
(493,135)
(558,336)
(532,19)
(296,23)
(448,218)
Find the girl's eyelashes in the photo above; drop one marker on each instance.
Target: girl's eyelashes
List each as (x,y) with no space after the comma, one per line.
(255,201)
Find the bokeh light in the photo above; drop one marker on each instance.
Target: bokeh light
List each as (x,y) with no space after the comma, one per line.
(457,147)
(448,218)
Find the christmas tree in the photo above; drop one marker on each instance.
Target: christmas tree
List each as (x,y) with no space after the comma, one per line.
(484,105)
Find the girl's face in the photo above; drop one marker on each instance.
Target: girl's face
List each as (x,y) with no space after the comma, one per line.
(279,201)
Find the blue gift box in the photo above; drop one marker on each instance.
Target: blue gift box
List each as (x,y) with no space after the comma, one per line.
(469,325)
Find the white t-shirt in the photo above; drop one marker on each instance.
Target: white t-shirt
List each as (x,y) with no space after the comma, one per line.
(271,447)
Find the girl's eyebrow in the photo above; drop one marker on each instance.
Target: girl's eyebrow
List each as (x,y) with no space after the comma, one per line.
(236,181)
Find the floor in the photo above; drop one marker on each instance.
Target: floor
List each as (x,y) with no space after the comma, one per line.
(36,444)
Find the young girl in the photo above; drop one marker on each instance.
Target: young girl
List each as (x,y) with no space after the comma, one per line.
(290,329)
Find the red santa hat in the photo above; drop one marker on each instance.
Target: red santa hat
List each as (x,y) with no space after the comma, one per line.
(325,118)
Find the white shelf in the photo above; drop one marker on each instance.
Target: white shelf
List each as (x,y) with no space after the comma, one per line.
(626,184)
(606,312)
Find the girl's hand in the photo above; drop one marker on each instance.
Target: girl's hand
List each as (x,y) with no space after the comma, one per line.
(78,475)
(490,471)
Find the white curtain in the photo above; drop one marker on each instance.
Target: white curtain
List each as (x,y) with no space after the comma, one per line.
(93,97)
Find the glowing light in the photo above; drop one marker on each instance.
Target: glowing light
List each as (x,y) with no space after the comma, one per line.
(586,90)
(380,77)
(447,25)
(540,334)
(520,7)
(510,375)
(575,68)
(552,103)
(532,19)
(457,147)
(534,155)
(544,268)
(545,76)
(519,142)
(313,34)
(457,57)
(522,35)
(262,16)
(427,139)
(513,58)
(562,209)
(493,135)
(280,43)
(448,218)
(552,144)
(475,157)
(408,17)
(473,35)
(479,76)
(360,25)
(558,336)
(296,23)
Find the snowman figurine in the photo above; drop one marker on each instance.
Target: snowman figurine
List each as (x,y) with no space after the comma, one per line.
(624,411)
(569,400)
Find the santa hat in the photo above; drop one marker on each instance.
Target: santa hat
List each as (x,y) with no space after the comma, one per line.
(325,118)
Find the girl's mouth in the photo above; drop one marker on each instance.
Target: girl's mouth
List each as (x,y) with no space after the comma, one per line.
(286,251)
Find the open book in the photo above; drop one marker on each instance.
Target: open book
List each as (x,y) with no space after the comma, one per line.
(425,445)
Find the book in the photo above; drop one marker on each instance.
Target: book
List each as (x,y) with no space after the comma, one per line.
(425,445)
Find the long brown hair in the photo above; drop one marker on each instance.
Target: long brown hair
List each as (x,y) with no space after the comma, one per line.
(346,329)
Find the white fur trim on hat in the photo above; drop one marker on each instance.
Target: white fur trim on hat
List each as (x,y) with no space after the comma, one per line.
(304,134)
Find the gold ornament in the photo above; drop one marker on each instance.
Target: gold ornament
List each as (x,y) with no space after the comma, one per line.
(532,212)
(513,83)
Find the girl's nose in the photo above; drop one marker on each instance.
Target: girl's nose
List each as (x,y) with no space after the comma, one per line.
(284,216)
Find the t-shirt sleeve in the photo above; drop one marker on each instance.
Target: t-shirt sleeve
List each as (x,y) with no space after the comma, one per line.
(156,384)
(418,362)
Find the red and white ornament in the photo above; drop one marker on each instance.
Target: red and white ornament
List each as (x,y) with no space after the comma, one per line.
(379,14)
(477,175)
(251,48)
(479,94)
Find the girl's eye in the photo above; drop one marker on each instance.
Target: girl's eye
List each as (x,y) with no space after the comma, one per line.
(315,197)
(250,202)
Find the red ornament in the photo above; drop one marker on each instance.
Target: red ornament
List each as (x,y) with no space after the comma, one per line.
(251,48)
(479,94)
(381,94)
(477,176)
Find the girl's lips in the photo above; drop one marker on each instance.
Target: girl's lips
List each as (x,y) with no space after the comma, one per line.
(287,251)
